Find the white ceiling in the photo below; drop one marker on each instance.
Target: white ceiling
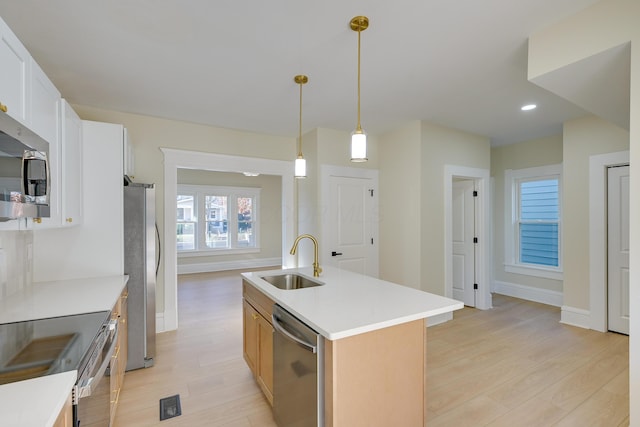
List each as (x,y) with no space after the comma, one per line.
(230,63)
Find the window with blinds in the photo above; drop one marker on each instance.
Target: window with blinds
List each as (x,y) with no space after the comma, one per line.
(533,221)
(538,221)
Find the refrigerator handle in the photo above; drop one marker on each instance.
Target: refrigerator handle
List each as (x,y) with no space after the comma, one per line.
(159,246)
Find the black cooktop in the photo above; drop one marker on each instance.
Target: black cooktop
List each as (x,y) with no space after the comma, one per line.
(49,346)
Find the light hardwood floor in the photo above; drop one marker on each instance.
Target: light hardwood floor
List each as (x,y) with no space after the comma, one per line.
(515,365)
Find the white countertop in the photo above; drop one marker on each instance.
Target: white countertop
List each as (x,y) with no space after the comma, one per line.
(62,298)
(36,402)
(350,303)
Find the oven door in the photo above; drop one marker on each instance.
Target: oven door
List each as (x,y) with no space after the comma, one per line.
(92,393)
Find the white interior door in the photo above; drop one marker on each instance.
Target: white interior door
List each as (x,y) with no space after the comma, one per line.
(463,247)
(351,244)
(618,249)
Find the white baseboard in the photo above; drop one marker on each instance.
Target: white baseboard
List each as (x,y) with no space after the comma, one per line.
(528,293)
(439,318)
(575,317)
(228,265)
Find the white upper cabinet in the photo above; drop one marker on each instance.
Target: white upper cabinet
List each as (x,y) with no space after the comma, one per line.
(14,75)
(25,90)
(66,173)
(44,105)
(72,166)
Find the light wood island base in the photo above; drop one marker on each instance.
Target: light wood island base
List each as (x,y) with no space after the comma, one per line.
(377,378)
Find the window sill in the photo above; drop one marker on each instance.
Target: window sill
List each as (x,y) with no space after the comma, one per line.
(534,271)
(214,252)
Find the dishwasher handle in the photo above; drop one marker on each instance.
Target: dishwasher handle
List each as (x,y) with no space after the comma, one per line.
(279,327)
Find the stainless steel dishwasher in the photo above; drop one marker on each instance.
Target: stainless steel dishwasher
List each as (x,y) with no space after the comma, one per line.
(298,393)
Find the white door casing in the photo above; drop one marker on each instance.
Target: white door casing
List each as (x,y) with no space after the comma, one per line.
(463,232)
(596,317)
(350,227)
(175,159)
(481,177)
(618,249)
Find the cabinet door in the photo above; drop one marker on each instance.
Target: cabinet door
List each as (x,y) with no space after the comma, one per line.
(65,418)
(250,336)
(44,106)
(72,166)
(265,357)
(14,73)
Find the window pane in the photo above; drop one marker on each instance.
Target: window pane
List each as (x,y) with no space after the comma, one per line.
(539,240)
(185,208)
(539,244)
(216,213)
(185,236)
(539,200)
(245,222)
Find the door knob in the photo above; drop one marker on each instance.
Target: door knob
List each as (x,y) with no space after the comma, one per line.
(334,253)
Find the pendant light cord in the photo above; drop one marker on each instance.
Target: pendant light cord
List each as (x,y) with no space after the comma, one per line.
(359,128)
(300,127)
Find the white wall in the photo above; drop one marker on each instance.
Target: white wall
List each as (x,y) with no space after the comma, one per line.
(442,146)
(400,208)
(603,26)
(582,138)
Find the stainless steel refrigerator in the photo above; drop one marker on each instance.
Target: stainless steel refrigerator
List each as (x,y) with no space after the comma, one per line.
(141,266)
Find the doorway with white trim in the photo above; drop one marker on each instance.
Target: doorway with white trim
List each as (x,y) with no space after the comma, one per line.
(476,261)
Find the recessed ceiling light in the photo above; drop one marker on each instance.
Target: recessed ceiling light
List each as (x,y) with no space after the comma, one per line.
(250,173)
(528,107)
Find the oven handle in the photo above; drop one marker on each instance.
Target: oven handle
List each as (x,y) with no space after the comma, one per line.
(87,387)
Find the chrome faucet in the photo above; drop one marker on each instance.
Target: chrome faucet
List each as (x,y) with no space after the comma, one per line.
(316,267)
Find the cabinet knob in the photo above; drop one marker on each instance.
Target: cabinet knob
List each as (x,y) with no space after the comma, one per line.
(255,316)
(69,219)
(3,107)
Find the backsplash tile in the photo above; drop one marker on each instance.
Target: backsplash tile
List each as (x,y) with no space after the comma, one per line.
(16,262)
(16,275)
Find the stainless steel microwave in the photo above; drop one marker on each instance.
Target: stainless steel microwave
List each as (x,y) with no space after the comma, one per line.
(25,184)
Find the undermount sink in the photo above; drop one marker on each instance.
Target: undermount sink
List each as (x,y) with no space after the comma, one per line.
(290,281)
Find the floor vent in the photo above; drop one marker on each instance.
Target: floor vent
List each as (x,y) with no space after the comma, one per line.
(170,407)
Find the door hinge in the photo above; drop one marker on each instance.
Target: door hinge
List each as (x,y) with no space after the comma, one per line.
(372,240)
(475,240)
(371,192)
(475,286)
(475,194)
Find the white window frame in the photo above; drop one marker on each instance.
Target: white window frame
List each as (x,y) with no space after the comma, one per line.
(199,193)
(512,178)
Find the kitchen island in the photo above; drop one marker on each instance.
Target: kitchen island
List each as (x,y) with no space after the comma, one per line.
(374,342)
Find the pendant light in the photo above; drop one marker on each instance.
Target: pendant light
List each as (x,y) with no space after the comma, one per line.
(359,137)
(300,165)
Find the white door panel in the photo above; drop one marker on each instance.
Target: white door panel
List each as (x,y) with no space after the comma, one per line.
(463,230)
(618,249)
(351,225)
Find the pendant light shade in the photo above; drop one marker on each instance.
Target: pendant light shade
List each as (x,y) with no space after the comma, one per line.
(359,137)
(300,165)
(300,168)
